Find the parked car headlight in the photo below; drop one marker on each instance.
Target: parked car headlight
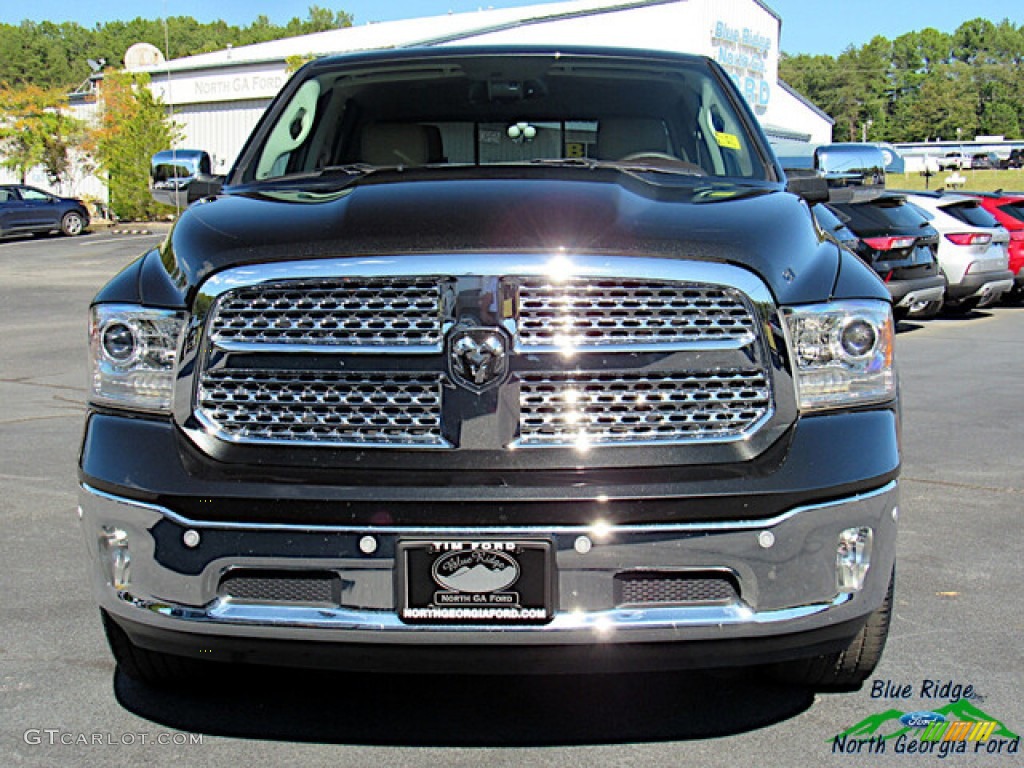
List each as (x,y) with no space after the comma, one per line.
(842,353)
(132,353)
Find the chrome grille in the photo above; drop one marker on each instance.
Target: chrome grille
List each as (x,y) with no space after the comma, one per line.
(365,312)
(323,407)
(280,587)
(624,351)
(598,312)
(580,409)
(649,588)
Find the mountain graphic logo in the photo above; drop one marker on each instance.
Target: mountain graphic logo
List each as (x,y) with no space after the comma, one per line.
(890,724)
(476,571)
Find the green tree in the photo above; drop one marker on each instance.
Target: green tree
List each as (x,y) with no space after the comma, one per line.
(49,54)
(36,131)
(133,126)
(1000,119)
(944,107)
(922,85)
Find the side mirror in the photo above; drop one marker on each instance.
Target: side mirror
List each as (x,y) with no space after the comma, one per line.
(808,185)
(853,171)
(179,177)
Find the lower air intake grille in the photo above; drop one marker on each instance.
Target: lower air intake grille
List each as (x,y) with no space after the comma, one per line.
(323,407)
(282,587)
(653,588)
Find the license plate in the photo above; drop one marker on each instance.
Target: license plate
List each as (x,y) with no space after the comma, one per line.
(475,581)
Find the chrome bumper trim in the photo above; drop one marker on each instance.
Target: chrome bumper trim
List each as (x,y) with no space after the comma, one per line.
(925,294)
(989,293)
(785,586)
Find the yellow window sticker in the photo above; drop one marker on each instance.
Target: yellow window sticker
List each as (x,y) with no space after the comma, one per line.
(727,140)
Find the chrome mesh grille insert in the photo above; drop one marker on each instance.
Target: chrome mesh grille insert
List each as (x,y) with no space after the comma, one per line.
(596,312)
(652,588)
(307,354)
(323,407)
(366,312)
(580,409)
(281,587)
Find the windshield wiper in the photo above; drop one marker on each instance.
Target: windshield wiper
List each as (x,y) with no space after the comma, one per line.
(353,169)
(626,166)
(330,174)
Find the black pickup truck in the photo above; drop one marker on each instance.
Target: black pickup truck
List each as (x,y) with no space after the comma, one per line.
(496,359)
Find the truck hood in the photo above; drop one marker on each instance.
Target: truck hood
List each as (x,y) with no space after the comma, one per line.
(602,211)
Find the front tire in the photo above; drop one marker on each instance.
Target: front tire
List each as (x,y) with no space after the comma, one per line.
(846,669)
(72,224)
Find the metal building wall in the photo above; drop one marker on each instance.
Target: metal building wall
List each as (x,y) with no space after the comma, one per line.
(220,128)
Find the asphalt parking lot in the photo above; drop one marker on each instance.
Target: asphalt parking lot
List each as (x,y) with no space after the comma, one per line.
(958,618)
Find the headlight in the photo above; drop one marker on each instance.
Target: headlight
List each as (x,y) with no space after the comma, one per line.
(842,353)
(132,354)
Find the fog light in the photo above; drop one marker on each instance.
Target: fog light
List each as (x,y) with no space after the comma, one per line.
(853,558)
(120,568)
(115,541)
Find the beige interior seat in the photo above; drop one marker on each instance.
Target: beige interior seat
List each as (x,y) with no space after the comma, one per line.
(401,144)
(619,137)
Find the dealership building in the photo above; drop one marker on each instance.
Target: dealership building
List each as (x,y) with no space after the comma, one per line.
(218,97)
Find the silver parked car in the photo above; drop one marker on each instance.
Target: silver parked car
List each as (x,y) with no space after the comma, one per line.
(972,252)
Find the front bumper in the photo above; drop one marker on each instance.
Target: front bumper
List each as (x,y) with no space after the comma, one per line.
(167,595)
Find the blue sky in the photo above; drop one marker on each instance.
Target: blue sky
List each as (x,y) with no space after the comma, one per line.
(808,26)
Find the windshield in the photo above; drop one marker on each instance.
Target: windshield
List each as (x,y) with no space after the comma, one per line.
(477,110)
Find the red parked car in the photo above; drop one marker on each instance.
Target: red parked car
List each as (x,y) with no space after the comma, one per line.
(1009,211)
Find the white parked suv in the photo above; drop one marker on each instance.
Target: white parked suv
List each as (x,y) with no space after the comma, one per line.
(972,252)
(957,160)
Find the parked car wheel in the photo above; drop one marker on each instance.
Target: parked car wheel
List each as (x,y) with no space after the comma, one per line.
(849,667)
(151,667)
(72,224)
(925,310)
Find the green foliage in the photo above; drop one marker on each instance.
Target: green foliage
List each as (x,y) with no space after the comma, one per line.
(922,85)
(133,126)
(35,131)
(293,64)
(56,55)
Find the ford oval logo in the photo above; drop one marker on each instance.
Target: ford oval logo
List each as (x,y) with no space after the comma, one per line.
(478,571)
(921,719)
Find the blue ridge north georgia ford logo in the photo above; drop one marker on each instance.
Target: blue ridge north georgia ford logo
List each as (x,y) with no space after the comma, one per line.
(476,571)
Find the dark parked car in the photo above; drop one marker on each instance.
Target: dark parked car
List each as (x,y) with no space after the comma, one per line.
(1015,160)
(29,210)
(834,227)
(899,244)
(496,360)
(984,160)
